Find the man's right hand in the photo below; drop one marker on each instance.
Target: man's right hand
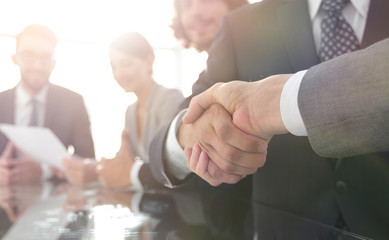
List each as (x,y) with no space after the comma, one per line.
(22,170)
(255,106)
(234,153)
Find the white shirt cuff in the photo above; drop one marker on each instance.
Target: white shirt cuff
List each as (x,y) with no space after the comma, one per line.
(175,156)
(290,111)
(134,174)
(135,202)
(46,172)
(47,189)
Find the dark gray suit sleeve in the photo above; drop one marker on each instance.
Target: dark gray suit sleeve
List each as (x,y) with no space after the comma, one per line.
(344,103)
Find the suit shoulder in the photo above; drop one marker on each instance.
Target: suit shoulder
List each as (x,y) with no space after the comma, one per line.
(7,93)
(64,92)
(6,96)
(166,92)
(254,9)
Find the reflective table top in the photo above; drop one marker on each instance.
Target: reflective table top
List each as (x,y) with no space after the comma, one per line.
(62,211)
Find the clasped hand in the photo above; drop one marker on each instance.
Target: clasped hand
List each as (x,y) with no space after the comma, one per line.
(247,116)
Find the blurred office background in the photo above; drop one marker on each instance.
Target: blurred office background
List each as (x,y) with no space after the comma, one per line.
(85,28)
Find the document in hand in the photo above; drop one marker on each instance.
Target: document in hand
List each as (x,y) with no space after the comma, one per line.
(39,143)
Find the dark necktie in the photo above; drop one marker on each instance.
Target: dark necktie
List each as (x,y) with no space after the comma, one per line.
(34,113)
(337,36)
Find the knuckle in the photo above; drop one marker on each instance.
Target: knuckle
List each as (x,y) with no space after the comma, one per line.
(215,109)
(214,172)
(231,154)
(218,85)
(222,131)
(252,170)
(216,184)
(234,180)
(261,162)
(253,144)
(228,168)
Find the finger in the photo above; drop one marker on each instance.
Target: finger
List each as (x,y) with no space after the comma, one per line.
(212,174)
(125,134)
(64,161)
(23,154)
(7,164)
(199,104)
(214,171)
(220,151)
(234,162)
(9,209)
(201,170)
(188,153)
(125,144)
(104,166)
(5,176)
(202,164)
(104,162)
(7,153)
(194,158)
(199,167)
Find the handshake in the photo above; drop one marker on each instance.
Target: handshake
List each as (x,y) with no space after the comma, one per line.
(226,129)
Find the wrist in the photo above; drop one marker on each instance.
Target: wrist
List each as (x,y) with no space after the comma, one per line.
(270,121)
(181,137)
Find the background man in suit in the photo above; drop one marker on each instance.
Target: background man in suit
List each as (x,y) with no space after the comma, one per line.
(36,102)
(268,38)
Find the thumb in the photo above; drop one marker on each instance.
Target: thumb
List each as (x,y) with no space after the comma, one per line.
(125,135)
(199,104)
(125,146)
(7,153)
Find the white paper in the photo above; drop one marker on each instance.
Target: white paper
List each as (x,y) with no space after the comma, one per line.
(39,143)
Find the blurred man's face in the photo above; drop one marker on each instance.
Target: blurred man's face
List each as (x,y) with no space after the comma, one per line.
(201,19)
(35,58)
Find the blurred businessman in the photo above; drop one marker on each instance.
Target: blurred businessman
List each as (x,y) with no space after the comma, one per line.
(37,102)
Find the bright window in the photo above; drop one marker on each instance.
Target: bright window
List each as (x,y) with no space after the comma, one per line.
(85,29)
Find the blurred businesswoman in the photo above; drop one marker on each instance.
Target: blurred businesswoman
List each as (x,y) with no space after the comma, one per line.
(132,60)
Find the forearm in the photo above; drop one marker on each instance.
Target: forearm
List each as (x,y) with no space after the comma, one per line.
(350,105)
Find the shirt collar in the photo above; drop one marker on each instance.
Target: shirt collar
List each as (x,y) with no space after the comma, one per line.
(23,98)
(362,6)
(313,6)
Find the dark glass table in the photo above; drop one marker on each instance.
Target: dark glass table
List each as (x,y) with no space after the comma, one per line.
(61,211)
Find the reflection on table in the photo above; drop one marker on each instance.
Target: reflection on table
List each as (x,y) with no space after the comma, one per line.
(62,211)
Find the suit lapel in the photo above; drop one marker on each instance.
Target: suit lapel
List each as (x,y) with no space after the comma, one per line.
(50,106)
(377,24)
(8,109)
(296,27)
